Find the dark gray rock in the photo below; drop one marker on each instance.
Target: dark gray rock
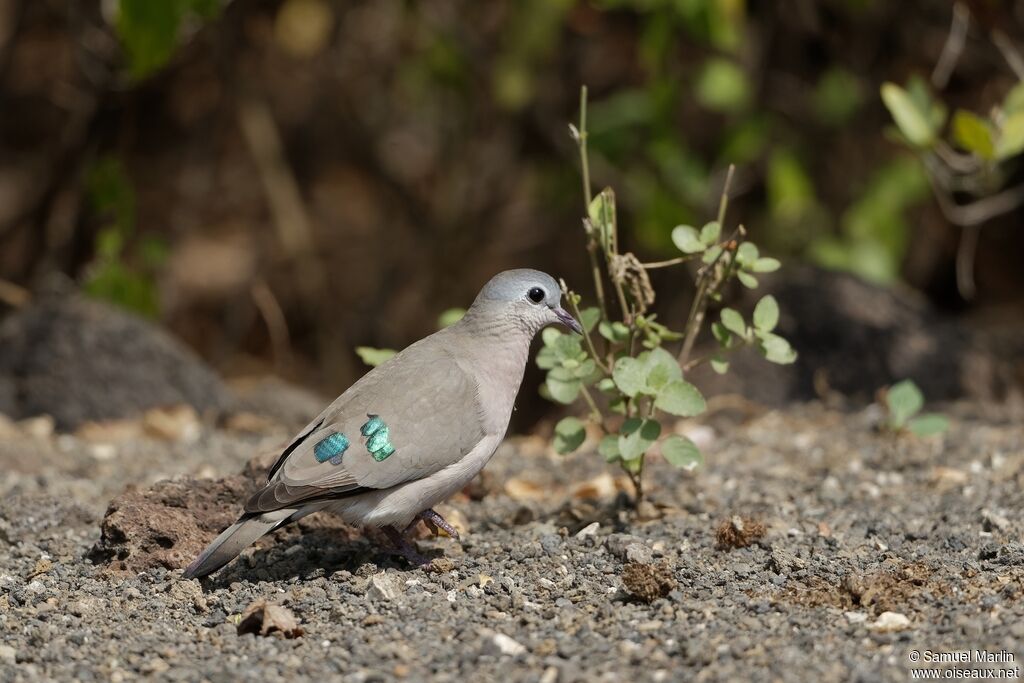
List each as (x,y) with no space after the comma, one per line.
(79,360)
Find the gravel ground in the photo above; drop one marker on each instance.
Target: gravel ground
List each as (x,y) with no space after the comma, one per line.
(861,548)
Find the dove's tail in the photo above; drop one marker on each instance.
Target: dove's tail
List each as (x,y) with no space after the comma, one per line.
(237,537)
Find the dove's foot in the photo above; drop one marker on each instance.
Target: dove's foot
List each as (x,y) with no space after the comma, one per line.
(435,521)
(404,548)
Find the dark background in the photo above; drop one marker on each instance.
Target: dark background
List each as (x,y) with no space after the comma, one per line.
(279,182)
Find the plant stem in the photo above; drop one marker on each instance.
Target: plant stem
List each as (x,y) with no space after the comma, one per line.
(584,161)
(598,415)
(592,244)
(586,333)
(695,319)
(723,201)
(670,262)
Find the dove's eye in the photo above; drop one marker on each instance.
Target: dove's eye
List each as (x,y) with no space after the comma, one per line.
(536,295)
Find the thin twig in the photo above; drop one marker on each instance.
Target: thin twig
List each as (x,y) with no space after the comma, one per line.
(277,324)
(580,134)
(670,262)
(13,295)
(598,415)
(723,201)
(1009,51)
(965,253)
(953,47)
(979,211)
(586,333)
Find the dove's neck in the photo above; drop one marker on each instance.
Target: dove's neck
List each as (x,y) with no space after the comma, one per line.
(493,349)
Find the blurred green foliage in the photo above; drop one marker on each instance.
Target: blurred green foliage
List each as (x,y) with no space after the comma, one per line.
(150,29)
(123,268)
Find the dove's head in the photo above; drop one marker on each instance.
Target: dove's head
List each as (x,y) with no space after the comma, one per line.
(531,298)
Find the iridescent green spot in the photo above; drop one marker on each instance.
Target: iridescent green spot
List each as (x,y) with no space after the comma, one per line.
(331,448)
(377,438)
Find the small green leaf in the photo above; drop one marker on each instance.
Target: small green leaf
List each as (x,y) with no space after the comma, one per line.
(563,391)
(733,321)
(710,233)
(765,264)
(636,442)
(1014,100)
(722,85)
(904,400)
(450,317)
(569,435)
(589,317)
(776,349)
(1011,137)
(602,214)
(614,332)
(681,398)
(973,133)
(722,335)
(687,239)
(606,385)
(746,279)
(586,370)
(711,254)
(747,254)
(915,124)
(766,314)
(928,424)
(661,368)
(609,448)
(550,335)
(720,365)
(630,375)
(681,453)
(374,357)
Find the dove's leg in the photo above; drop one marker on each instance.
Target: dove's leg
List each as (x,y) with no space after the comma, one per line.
(404,547)
(434,520)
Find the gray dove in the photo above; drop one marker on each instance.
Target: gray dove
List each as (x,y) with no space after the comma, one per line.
(412,431)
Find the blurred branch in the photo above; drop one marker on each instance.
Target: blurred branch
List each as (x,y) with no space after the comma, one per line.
(291,221)
(1010,53)
(277,324)
(953,47)
(13,295)
(965,252)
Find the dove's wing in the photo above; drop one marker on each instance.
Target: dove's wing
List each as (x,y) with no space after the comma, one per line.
(405,420)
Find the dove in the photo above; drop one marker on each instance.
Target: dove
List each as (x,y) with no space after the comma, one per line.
(412,431)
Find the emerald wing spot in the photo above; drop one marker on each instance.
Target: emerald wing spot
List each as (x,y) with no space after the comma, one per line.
(377,438)
(331,448)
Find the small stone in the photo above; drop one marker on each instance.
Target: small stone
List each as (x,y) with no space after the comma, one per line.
(856,617)
(8,653)
(889,622)
(384,586)
(263,618)
(589,530)
(638,552)
(40,427)
(175,423)
(499,643)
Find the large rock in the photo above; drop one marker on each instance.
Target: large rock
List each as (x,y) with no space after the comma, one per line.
(855,338)
(168,524)
(80,360)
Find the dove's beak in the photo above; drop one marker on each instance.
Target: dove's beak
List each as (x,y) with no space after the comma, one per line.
(567,320)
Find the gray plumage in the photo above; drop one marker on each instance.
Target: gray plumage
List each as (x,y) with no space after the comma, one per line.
(446,401)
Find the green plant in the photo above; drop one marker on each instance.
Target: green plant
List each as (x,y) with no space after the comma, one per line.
(966,154)
(903,403)
(622,356)
(151,31)
(123,268)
